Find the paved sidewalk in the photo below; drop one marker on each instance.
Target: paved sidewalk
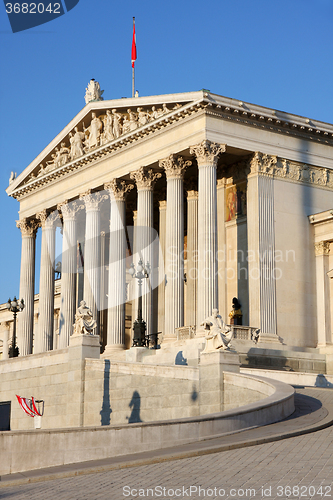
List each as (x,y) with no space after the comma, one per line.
(314,411)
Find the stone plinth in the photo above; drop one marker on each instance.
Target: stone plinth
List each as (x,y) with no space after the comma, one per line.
(84,346)
(211,368)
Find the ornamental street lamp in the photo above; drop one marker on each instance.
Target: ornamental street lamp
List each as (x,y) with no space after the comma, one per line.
(14,306)
(141,272)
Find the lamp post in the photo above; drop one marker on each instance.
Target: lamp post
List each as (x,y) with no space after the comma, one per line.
(14,306)
(141,272)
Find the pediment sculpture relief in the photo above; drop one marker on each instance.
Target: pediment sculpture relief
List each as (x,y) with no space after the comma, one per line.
(106,127)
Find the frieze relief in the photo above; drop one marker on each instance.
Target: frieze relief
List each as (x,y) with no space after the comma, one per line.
(286,169)
(101,130)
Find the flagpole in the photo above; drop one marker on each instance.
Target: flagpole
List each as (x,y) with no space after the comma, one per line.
(133,84)
(133,64)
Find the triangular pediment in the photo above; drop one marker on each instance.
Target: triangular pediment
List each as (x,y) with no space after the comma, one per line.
(99,127)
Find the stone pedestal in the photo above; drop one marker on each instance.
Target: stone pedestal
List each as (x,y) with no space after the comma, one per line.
(211,368)
(80,347)
(84,346)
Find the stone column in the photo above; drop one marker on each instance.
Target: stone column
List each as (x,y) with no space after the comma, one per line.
(192,257)
(322,250)
(25,323)
(56,329)
(207,155)
(145,179)
(44,332)
(261,248)
(92,253)
(174,244)
(103,292)
(5,337)
(161,267)
(117,266)
(221,250)
(134,283)
(68,272)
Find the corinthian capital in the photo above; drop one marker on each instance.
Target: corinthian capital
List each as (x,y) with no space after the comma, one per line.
(322,248)
(207,153)
(263,163)
(47,219)
(174,166)
(28,228)
(92,200)
(69,209)
(118,189)
(145,178)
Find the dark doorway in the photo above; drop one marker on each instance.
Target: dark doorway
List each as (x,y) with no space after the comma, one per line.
(4,415)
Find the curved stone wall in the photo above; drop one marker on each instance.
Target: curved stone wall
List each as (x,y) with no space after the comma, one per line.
(25,450)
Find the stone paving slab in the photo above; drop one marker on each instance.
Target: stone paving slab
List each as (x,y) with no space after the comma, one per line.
(314,412)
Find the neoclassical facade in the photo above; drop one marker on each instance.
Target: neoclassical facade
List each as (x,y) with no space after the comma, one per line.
(221,198)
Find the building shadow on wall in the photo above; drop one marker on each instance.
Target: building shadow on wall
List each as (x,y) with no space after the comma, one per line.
(135,404)
(194,395)
(180,360)
(321,381)
(106,408)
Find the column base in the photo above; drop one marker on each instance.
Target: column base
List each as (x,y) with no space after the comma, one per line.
(169,338)
(328,350)
(112,350)
(269,338)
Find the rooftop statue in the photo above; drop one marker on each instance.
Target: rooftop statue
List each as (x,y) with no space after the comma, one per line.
(217,333)
(93,92)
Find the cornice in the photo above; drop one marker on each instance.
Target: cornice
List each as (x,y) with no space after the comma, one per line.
(272,120)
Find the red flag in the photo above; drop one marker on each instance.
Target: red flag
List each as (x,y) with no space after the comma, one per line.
(133,44)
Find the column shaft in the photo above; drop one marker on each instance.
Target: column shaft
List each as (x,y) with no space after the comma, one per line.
(117,266)
(144,248)
(207,154)
(192,255)
(174,243)
(117,276)
(207,242)
(261,247)
(323,294)
(68,273)
(145,179)
(174,291)
(27,281)
(44,334)
(161,267)
(221,250)
(5,338)
(92,253)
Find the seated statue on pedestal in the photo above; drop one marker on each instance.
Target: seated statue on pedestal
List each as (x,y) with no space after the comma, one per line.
(218,334)
(84,321)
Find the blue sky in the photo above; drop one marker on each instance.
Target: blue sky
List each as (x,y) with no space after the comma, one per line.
(276,54)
